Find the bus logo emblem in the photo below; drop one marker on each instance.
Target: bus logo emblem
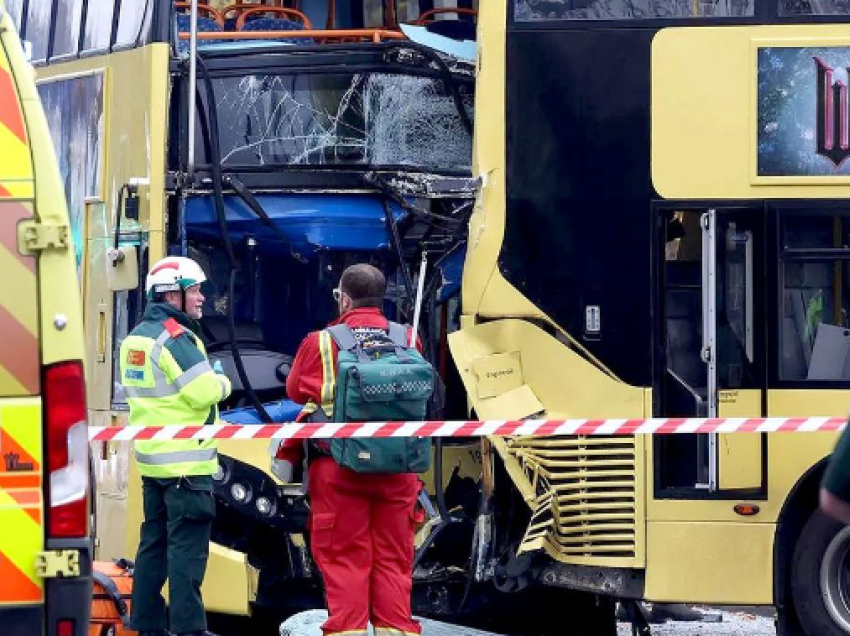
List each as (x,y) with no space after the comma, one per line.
(833,115)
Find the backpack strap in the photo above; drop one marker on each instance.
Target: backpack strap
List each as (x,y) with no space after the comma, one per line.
(343,336)
(345,340)
(112,590)
(398,334)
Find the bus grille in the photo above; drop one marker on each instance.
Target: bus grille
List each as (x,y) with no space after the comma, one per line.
(588,506)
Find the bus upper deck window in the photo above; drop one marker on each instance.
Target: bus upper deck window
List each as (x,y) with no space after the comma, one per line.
(99,27)
(67,27)
(134,22)
(373,13)
(813,7)
(15,8)
(38,28)
(534,10)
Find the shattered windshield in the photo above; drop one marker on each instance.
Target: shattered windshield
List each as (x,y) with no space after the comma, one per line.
(374,119)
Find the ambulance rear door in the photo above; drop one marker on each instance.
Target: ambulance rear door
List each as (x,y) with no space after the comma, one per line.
(21,499)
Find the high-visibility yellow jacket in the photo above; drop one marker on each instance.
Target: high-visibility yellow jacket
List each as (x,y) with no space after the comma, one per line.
(168,379)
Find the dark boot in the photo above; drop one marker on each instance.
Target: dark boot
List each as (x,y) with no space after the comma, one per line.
(662,612)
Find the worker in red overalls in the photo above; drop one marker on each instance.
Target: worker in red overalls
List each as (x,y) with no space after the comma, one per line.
(361,525)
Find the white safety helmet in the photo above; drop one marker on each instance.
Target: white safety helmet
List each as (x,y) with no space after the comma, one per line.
(173,274)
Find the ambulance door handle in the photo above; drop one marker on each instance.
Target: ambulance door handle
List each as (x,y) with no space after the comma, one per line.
(101,332)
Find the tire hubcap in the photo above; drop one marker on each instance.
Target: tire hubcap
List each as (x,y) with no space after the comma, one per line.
(835,579)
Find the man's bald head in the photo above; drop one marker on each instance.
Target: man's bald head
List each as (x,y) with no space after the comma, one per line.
(364,285)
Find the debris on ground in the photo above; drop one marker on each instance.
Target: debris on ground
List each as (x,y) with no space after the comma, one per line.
(309,624)
(731,624)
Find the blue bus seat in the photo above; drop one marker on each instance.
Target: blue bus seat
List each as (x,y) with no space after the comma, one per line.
(277,24)
(184,25)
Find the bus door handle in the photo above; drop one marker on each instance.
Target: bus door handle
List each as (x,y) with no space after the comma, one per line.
(100,353)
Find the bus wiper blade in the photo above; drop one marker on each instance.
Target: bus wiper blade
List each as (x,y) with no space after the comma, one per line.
(254,205)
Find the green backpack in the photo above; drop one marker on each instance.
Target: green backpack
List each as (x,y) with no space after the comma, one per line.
(378,384)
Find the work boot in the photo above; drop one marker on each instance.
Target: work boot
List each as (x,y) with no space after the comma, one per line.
(624,615)
(663,612)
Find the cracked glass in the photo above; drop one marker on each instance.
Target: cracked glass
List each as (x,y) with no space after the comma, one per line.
(374,119)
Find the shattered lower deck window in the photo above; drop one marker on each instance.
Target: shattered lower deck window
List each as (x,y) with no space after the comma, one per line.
(376,119)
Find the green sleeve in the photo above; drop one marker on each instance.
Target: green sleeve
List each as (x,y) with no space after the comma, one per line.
(197,382)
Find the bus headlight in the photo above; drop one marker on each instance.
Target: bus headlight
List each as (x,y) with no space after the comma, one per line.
(265,506)
(240,493)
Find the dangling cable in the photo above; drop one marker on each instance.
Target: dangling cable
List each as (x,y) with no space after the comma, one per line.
(218,201)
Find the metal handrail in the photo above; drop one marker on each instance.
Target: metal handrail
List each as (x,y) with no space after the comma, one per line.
(698,399)
(193,83)
(428,16)
(376,35)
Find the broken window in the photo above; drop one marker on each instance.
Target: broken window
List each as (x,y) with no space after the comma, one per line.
(374,119)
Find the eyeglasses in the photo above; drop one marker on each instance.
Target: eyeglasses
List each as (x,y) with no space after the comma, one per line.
(337,292)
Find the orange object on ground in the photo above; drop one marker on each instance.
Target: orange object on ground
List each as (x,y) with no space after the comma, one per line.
(111,594)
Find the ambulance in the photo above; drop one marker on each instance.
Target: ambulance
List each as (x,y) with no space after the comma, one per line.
(45,545)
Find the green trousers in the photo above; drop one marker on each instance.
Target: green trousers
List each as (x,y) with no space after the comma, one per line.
(174,545)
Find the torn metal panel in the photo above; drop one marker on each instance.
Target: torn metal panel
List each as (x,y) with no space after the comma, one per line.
(451,273)
(432,185)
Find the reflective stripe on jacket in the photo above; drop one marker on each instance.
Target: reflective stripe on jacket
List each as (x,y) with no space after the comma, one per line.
(312,379)
(168,379)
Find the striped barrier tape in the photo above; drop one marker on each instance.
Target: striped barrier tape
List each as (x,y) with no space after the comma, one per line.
(463,428)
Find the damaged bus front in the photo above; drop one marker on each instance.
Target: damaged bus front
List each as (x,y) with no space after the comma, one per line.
(304,160)
(276,153)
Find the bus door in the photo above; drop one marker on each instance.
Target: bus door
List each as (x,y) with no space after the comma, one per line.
(708,357)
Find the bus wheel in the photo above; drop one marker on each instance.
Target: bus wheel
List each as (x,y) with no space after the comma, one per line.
(820,577)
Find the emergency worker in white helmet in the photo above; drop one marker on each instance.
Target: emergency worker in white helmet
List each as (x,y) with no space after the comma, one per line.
(168,379)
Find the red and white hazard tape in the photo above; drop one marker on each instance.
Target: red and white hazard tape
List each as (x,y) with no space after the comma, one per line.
(662,426)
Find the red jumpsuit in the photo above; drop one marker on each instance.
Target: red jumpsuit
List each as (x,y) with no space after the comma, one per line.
(361,525)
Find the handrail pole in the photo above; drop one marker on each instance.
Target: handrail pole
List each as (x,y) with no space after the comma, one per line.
(193,82)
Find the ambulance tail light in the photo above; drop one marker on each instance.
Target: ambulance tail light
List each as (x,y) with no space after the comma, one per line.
(67,447)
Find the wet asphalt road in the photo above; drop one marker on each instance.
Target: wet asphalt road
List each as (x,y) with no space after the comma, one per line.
(733,623)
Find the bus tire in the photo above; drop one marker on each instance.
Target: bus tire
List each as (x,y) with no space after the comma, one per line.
(820,577)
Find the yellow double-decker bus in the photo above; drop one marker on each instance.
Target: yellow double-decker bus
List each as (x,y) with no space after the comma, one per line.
(657,228)
(663,230)
(45,486)
(275,143)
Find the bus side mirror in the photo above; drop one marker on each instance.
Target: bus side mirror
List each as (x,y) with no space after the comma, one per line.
(123,268)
